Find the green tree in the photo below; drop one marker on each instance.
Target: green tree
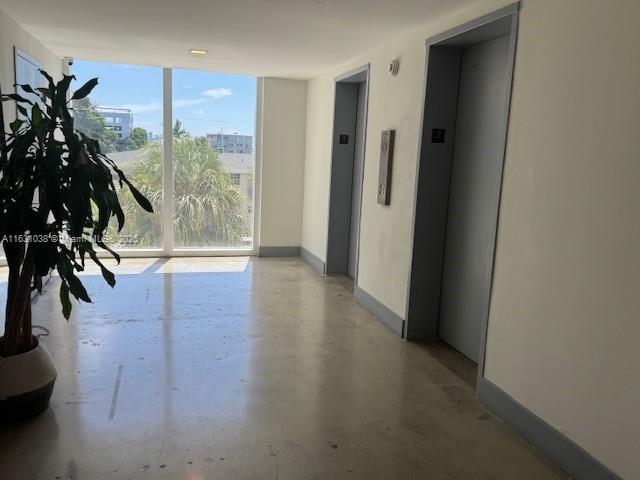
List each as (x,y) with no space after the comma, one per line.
(137,139)
(178,131)
(87,120)
(108,141)
(208,208)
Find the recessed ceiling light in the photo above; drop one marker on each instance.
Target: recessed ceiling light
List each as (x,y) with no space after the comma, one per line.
(197,51)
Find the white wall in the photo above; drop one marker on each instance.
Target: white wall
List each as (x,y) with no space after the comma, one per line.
(564,312)
(282,135)
(12,34)
(317,170)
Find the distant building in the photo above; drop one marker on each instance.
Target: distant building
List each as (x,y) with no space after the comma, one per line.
(120,120)
(240,168)
(230,142)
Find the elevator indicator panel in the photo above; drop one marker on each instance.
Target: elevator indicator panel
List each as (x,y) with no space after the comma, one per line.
(438,135)
(386,161)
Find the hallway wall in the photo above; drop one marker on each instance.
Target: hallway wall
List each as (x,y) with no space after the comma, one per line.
(564,304)
(284,106)
(564,322)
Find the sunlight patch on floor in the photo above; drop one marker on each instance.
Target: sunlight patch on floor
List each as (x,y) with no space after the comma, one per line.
(204,265)
(135,266)
(127,266)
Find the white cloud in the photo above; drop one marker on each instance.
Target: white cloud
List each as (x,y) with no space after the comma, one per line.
(187,102)
(218,92)
(198,112)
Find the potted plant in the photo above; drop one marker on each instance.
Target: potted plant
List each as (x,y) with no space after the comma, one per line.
(58,193)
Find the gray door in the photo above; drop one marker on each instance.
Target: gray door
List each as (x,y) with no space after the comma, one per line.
(356,189)
(344,132)
(473,196)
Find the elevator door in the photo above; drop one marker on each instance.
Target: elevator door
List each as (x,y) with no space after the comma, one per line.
(474,192)
(356,189)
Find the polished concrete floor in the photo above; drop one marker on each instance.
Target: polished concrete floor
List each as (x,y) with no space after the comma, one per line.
(238,368)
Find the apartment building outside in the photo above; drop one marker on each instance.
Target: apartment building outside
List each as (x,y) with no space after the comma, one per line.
(230,142)
(120,120)
(240,168)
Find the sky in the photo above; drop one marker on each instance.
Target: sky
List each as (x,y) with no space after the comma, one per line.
(205,102)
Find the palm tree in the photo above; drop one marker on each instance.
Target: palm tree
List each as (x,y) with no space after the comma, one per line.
(208,208)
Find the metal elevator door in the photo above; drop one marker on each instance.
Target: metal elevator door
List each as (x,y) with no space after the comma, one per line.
(356,188)
(473,195)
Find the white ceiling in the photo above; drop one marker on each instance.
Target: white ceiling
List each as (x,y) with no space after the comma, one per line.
(281,38)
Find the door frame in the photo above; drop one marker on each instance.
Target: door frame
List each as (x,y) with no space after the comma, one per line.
(422,319)
(338,79)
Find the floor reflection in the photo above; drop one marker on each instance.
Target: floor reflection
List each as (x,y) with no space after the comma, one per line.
(249,368)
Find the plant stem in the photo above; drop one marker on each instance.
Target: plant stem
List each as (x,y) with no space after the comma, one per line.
(3,140)
(17,336)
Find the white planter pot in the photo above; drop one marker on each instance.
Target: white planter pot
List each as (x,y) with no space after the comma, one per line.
(26,383)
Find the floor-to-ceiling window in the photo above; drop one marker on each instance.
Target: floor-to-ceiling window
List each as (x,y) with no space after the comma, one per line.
(213,151)
(185,139)
(124,113)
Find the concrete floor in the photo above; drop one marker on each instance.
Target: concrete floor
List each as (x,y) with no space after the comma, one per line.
(238,368)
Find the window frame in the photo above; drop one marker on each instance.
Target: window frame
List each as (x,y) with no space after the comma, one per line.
(168,248)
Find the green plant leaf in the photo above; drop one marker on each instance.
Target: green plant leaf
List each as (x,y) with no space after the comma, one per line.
(17,98)
(85,90)
(65,300)
(15,125)
(117,209)
(85,246)
(141,199)
(45,92)
(36,115)
(76,288)
(25,87)
(46,75)
(108,275)
(103,245)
